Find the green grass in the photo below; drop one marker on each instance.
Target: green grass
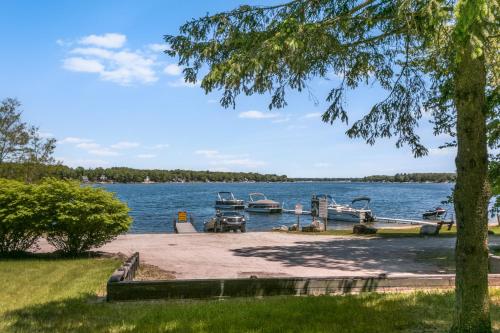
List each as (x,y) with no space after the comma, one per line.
(61,295)
(398,232)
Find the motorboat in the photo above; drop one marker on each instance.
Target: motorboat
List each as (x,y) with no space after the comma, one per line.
(226,200)
(349,213)
(437,213)
(224,221)
(259,203)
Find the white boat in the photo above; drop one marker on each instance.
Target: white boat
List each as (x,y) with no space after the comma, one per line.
(259,203)
(226,200)
(348,213)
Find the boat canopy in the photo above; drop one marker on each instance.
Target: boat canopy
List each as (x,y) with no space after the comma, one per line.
(223,195)
(361,199)
(253,195)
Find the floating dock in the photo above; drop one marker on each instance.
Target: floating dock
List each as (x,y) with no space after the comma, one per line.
(413,222)
(292,211)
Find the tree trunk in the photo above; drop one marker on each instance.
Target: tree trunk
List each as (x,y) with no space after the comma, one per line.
(472,313)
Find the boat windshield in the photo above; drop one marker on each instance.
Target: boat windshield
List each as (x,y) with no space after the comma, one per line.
(328,198)
(257,196)
(225,195)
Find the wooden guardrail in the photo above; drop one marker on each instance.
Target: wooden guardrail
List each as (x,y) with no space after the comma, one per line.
(126,272)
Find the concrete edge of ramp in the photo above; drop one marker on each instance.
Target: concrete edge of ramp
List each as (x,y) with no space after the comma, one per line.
(122,287)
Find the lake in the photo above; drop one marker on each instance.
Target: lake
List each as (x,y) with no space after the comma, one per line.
(153,206)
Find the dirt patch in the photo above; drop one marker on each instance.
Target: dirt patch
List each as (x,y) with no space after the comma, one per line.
(148,272)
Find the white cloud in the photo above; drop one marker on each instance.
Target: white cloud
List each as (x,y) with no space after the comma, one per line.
(109,40)
(74,140)
(125,145)
(207,153)
(311,115)
(93,51)
(103,152)
(160,146)
(158,47)
(146,156)
(321,165)
(281,120)
(172,69)
(77,64)
(215,158)
(253,114)
(121,66)
(180,83)
(88,145)
(87,163)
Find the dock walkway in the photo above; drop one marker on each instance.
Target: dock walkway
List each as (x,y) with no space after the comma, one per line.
(184,228)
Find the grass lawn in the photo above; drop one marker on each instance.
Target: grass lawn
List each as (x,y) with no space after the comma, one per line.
(61,295)
(398,232)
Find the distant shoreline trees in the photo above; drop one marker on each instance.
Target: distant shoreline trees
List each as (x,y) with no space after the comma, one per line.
(129,175)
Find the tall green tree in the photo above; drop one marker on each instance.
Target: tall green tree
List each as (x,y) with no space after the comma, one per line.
(13,131)
(437,56)
(22,143)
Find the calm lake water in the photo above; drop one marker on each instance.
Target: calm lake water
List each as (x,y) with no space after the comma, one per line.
(153,206)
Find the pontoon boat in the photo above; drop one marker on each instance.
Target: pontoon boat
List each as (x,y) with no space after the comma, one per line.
(349,213)
(259,203)
(226,200)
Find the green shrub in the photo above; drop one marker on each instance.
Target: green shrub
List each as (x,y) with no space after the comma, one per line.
(80,218)
(20,223)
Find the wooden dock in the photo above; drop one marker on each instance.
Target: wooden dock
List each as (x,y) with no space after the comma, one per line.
(184,228)
(407,221)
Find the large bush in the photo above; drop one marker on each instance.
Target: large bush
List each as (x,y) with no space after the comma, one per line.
(20,222)
(80,218)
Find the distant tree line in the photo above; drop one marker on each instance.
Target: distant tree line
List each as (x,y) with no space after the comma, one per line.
(129,175)
(433,177)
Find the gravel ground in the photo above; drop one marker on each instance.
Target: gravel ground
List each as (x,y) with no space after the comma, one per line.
(232,255)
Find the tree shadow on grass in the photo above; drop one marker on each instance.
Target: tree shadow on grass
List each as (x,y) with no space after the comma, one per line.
(416,312)
(348,255)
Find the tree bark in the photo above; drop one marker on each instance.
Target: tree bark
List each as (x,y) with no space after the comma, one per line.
(472,313)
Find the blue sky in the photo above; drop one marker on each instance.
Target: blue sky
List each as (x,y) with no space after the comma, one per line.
(92,74)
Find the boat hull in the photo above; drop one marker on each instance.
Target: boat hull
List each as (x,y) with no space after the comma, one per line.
(265,210)
(346,216)
(230,206)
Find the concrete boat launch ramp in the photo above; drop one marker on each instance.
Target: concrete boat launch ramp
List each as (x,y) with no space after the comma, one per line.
(275,254)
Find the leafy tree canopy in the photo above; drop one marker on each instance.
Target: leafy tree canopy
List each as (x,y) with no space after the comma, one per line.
(409,47)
